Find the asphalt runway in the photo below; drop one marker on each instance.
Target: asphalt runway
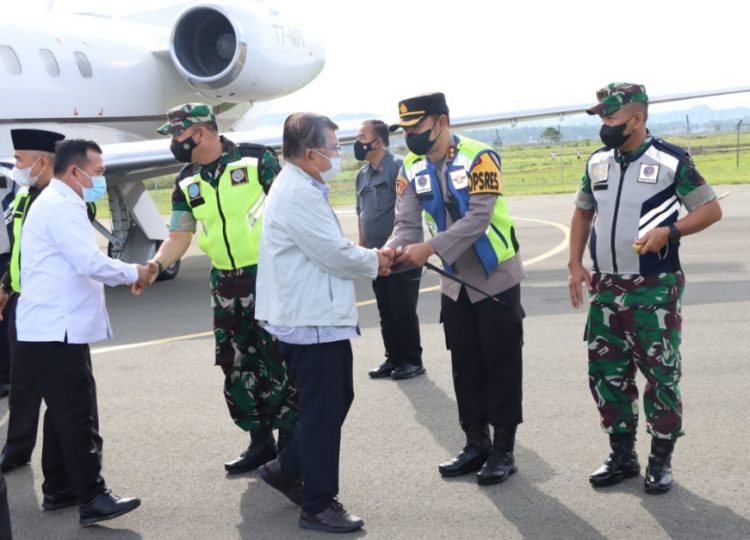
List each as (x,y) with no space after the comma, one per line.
(167,431)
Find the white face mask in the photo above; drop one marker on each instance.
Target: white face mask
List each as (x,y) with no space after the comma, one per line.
(23,177)
(331,173)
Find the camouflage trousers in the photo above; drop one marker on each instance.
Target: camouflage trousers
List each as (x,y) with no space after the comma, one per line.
(256,385)
(623,338)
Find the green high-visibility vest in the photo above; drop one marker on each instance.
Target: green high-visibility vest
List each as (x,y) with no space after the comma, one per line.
(21,205)
(230,214)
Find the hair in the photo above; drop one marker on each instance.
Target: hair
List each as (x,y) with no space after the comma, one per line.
(210,126)
(73,152)
(304,131)
(381,130)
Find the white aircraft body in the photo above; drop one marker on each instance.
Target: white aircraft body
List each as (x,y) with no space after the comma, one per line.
(112,80)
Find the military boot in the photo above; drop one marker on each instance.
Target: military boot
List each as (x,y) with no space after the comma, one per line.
(621,464)
(285,439)
(474,454)
(659,471)
(262,449)
(500,464)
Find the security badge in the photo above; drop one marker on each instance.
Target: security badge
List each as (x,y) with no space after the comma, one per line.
(422,184)
(599,175)
(459,178)
(194,194)
(239,176)
(648,174)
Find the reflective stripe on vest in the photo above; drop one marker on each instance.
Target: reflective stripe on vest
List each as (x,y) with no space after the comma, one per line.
(20,207)
(231,215)
(496,244)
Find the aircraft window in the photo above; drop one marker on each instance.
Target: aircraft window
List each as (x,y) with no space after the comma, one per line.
(10,59)
(50,62)
(83,64)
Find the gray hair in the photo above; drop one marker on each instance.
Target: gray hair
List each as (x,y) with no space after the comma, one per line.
(303,131)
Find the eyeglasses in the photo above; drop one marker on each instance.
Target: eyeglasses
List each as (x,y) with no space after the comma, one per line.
(335,148)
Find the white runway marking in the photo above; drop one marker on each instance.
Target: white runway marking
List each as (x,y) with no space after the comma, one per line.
(546,255)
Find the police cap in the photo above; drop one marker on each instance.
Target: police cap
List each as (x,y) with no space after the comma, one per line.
(613,96)
(412,110)
(35,139)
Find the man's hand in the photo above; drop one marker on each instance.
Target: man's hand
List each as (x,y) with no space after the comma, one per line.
(3,300)
(147,274)
(414,254)
(578,275)
(652,241)
(385,259)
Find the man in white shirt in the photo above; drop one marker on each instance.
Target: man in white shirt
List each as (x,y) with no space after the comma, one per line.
(60,312)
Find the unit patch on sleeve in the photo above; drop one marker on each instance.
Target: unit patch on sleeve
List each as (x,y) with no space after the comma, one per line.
(484,176)
(401,184)
(648,174)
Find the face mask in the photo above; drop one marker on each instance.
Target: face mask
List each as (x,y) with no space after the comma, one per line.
(97,189)
(329,174)
(362,149)
(183,150)
(420,143)
(614,136)
(23,177)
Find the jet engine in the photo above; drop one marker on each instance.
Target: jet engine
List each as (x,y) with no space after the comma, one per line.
(242,51)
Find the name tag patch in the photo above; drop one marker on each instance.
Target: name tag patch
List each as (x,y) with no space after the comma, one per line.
(648,174)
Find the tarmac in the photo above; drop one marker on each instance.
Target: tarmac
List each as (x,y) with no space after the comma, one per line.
(167,432)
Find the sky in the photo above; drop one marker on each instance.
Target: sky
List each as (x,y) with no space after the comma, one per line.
(492,56)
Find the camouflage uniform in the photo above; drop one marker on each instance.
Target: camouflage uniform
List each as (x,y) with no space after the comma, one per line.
(256,386)
(634,316)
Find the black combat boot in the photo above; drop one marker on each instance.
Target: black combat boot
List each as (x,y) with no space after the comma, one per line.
(474,454)
(262,449)
(285,438)
(659,471)
(500,464)
(621,464)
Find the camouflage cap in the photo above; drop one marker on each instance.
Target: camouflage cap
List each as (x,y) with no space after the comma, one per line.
(613,96)
(182,117)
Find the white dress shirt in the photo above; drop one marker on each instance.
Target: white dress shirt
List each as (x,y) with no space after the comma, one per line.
(62,271)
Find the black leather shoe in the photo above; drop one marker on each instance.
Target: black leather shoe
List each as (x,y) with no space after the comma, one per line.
(498,467)
(383,370)
(658,478)
(4,390)
(256,455)
(106,506)
(334,519)
(60,499)
(469,460)
(272,475)
(7,465)
(621,464)
(407,371)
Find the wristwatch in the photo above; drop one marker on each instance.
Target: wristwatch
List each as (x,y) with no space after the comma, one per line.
(160,265)
(674,234)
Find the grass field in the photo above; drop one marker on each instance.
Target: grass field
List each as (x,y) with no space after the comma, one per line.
(535,169)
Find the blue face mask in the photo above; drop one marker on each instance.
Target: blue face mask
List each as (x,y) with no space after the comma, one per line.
(96,191)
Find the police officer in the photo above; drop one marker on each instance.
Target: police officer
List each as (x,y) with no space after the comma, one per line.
(226,191)
(456,182)
(634,187)
(397,293)
(34,155)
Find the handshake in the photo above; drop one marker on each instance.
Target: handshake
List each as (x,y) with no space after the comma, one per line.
(411,255)
(147,274)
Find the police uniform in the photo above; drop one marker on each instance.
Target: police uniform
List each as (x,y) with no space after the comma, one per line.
(634,319)
(476,240)
(227,197)
(26,399)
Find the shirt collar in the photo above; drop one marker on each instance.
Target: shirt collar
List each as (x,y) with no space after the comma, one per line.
(66,191)
(387,158)
(323,187)
(628,157)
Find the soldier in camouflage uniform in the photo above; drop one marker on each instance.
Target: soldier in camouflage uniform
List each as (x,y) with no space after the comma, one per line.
(632,190)
(224,187)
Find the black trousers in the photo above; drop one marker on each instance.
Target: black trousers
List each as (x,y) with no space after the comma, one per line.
(323,375)
(397,296)
(4,349)
(486,340)
(71,452)
(5,533)
(25,398)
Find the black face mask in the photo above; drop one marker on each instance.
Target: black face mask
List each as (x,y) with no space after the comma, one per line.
(614,136)
(361,149)
(183,150)
(420,143)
